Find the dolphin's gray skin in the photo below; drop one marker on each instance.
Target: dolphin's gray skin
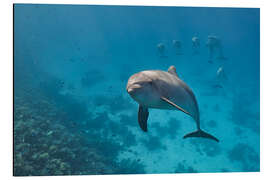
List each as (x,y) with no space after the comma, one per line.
(164,90)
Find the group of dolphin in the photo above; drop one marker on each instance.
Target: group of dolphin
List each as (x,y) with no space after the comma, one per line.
(164,90)
(213,43)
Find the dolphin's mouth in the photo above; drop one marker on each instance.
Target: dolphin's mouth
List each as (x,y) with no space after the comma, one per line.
(133,87)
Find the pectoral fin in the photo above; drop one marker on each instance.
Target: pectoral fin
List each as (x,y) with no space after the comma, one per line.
(142,117)
(178,107)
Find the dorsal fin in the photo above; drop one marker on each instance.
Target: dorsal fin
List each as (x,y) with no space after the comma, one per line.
(172,70)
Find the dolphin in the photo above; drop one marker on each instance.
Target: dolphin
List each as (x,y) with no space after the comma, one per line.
(221,75)
(161,50)
(195,44)
(164,90)
(213,43)
(177,46)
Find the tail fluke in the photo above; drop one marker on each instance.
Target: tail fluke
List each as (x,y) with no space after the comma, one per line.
(201,133)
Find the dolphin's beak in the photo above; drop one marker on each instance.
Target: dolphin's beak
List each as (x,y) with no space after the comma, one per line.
(132,88)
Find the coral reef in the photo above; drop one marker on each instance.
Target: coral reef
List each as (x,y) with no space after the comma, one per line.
(206,147)
(246,155)
(242,112)
(153,143)
(170,129)
(128,166)
(181,168)
(132,120)
(53,137)
(114,103)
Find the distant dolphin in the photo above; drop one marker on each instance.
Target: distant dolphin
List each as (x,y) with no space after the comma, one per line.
(161,50)
(164,90)
(221,75)
(221,78)
(177,46)
(195,41)
(214,42)
(195,44)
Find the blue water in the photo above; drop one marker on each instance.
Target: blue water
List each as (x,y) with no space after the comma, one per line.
(72,114)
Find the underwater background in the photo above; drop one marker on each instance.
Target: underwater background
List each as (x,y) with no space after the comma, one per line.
(72,114)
